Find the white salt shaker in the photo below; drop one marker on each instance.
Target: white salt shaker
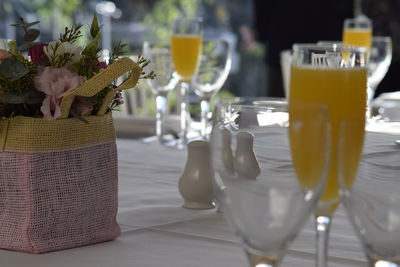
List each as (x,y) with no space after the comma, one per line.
(245,161)
(195,184)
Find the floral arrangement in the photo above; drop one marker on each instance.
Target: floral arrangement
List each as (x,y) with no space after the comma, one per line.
(34,76)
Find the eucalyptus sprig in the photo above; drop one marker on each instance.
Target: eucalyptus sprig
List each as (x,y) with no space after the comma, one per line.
(30,34)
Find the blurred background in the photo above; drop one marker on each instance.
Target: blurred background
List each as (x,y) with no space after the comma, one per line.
(258,30)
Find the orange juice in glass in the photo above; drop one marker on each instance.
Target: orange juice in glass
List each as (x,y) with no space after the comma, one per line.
(185,53)
(186,43)
(358,32)
(335,75)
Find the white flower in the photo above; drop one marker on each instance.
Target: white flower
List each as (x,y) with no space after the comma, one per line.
(56,49)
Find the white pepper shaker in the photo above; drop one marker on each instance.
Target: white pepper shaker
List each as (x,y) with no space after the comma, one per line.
(195,184)
(245,162)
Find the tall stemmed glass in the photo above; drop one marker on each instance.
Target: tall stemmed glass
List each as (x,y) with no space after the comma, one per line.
(371,195)
(186,45)
(165,81)
(358,32)
(378,64)
(335,75)
(270,185)
(215,64)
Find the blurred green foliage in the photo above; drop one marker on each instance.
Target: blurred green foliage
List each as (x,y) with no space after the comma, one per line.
(158,21)
(45,9)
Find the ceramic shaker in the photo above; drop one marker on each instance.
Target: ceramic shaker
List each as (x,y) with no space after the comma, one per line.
(195,184)
(245,161)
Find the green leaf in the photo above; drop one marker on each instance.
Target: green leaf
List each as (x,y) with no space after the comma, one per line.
(12,69)
(94,28)
(93,46)
(12,97)
(14,49)
(27,45)
(31,35)
(33,96)
(79,117)
(25,25)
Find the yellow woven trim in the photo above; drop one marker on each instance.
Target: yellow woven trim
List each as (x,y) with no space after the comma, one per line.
(36,135)
(3,133)
(47,150)
(101,80)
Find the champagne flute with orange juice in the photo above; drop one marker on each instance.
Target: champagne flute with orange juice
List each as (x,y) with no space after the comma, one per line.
(186,45)
(358,32)
(335,75)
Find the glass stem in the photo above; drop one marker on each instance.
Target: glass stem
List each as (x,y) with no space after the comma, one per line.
(185,118)
(357,8)
(161,107)
(370,97)
(205,109)
(323,224)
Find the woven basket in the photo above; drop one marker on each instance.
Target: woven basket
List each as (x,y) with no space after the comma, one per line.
(59,178)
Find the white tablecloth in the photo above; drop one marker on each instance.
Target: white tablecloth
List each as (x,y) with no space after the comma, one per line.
(157,231)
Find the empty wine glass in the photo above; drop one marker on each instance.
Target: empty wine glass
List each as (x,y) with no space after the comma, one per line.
(371,195)
(215,64)
(378,64)
(165,81)
(269,185)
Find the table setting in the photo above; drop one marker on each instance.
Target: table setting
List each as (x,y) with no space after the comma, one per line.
(310,179)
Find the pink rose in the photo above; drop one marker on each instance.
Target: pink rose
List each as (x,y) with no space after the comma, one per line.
(36,53)
(55,83)
(81,108)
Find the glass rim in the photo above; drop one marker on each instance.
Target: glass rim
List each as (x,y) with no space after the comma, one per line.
(362,21)
(238,99)
(280,106)
(336,47)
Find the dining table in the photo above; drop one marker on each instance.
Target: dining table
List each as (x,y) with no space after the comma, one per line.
(158,232)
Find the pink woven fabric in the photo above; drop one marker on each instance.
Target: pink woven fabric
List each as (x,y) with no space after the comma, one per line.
(58,200)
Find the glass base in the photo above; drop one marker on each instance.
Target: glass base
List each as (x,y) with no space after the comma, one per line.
(262,260)
(382,263)
(198,205)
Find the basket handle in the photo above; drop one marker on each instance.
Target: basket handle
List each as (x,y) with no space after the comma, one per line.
(101,80)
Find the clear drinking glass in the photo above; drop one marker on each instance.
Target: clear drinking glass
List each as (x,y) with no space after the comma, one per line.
(378,64)
(335,75)
(221,107)
(371,194)
(186,46)
(165,81)
(268,173)
(215,64)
